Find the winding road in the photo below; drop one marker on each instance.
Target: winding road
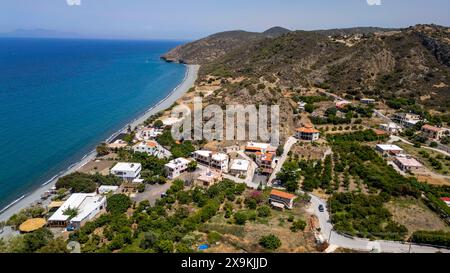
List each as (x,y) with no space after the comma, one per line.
(342,241)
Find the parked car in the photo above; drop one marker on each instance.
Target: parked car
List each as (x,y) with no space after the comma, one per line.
(321,208)
(163,195)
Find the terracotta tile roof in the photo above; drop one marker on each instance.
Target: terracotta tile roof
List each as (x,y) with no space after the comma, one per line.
(431,128)
(151,144)
(379,132)
(282,194)
(308,129)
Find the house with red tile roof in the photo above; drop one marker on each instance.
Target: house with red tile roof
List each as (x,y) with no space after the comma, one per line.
(307,133)
(446,200)
(433,132)
(281,199)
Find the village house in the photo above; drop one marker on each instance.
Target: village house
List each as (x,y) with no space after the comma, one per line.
(433,133)
(446,200)
(301,105)
(368,101)
(406,119)
(105,189)
(86,207)
(214,160)
(282,200)
(265,162)
(130,172)
(408,164)
(388,149)
(391,128)
(307,133)
(208,178)
(254,147)
(148,147)
(342,104)
(176,167)
(118,144)
(239,167)
(152,148)
(150,133)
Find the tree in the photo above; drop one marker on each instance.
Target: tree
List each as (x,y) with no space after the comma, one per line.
(280,150)
(192,166)
(264,211)
(102,149)
(298,225)
(164,246)
(35,240)
(158,124)
(149,240)
(118,203)
(71,212)
(240,218)
(77,182)
(270,242)
(309,107)
(57,245)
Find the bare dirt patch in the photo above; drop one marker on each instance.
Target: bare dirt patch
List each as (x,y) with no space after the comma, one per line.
(415,215)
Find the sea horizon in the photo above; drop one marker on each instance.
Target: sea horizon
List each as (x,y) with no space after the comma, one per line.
(73,97)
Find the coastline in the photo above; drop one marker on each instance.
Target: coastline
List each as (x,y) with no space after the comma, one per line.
(31,198)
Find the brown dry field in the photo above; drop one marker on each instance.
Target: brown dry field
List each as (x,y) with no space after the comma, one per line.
(415,215)
(277,224)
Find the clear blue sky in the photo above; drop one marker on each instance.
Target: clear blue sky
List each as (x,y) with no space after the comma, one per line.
(190,19)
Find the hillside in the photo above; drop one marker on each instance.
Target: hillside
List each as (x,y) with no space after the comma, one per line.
(212,47)
(411,63)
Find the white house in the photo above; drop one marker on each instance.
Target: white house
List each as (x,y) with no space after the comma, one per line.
(388,149)
(391,128)
(104,189)
(215,160)
(149,147)
(239,167)
(150,133)
(368,101)
(255,147)
(307,133)
(406,119)
(86,205)
(408,164)
(176,167)
(127,171)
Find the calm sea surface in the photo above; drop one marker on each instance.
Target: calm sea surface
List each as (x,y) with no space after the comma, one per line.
(60,98)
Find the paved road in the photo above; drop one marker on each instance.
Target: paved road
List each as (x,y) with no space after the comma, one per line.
(337,239)
(287,148)
(397,138)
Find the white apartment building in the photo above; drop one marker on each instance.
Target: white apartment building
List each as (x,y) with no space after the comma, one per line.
(176,167)
(214,160)
(127,171)
(87,205)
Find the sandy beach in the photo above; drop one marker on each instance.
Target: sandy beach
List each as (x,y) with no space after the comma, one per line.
(33,197)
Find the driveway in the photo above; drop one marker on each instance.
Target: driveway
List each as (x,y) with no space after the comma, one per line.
(152,193)
(287,148)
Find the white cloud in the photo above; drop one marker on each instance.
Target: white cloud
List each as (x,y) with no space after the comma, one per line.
(374,2)
(73,2)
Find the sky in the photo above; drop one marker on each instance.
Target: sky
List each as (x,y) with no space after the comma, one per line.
(192,19)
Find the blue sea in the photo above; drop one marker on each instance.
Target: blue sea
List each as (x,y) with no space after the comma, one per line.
(60,98)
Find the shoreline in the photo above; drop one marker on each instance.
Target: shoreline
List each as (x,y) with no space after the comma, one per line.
(28,199)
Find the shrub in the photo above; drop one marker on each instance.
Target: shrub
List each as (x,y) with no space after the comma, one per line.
(118,203)
(270,242)
(264,211)
(298,225)
(240,218)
